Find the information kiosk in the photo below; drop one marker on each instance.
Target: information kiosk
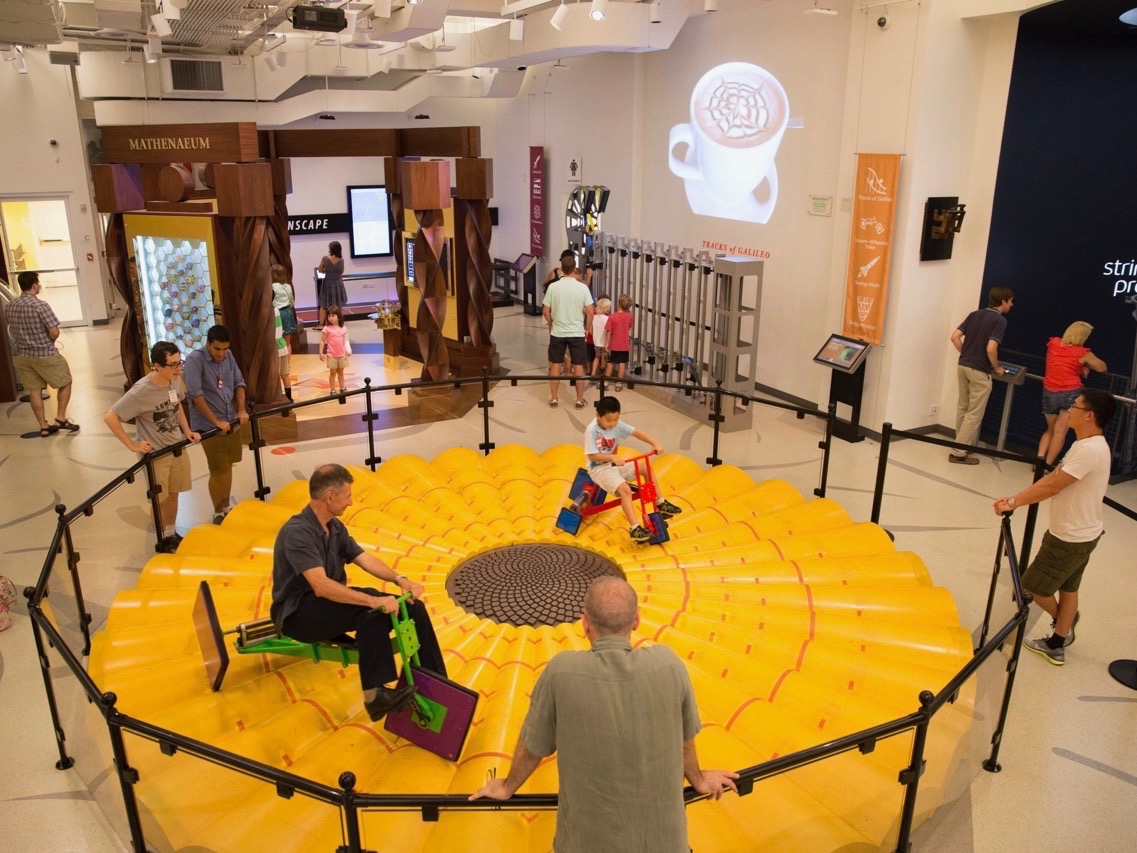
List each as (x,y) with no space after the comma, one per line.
(845,357)
(526,267)
(1014,374)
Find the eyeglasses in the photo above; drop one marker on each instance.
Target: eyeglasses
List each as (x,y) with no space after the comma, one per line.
(1083,408)
(177,365)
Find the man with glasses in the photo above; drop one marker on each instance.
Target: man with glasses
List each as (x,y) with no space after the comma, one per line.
(1077,487)
(216,391)
(155,404)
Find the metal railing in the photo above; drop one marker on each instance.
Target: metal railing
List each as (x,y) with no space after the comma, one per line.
(345,798)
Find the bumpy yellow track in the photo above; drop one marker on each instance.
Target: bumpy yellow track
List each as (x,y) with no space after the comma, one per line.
(797,626)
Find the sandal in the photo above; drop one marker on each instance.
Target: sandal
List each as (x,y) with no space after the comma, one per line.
(65,424)
(44,432)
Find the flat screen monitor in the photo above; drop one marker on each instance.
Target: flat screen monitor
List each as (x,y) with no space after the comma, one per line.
(524,263)
(841,353)
(370,212)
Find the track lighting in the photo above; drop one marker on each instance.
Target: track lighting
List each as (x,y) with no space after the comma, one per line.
(557,22)
(598,10)
(161,25)
(655,13)
(517,30)
(710,5)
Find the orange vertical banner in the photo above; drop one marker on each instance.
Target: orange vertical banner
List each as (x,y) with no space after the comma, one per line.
(870,245)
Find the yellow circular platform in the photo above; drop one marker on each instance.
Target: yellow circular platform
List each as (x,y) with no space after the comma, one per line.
(797,626)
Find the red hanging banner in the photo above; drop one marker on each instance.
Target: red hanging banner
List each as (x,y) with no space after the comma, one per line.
(537,200)
(870,245)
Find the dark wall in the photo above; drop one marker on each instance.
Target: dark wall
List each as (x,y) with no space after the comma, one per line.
(1065,202)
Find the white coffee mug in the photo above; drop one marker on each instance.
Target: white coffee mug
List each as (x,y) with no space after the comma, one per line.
(739,113)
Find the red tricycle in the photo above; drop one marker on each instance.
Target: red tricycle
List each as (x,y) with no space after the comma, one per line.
(587,499)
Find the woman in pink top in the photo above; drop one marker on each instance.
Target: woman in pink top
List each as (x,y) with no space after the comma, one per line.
(335,348)
(1067,361)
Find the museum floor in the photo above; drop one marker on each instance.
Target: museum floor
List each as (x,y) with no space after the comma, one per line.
(1068,755)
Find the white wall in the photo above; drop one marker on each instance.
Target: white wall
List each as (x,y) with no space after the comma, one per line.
(39,106)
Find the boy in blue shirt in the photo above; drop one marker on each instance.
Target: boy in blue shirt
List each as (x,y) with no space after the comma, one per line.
(607,470)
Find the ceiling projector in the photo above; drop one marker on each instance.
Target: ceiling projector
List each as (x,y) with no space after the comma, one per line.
(319,18)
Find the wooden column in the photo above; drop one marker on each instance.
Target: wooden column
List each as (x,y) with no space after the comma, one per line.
(426,191)
(473,265)
(392,337)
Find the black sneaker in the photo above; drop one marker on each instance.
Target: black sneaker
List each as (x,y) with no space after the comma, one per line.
(640,533)
(389,699)
(667,508)
(1039,647)
(169,545)
(1070,638)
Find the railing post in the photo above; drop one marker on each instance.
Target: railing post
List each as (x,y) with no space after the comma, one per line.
(255,445)
(65,761)
(73,568)
(485,404)
(910,776)
(350,815)
(1004,542)
(127,775)
(152,492)
(369,419)
(991,765)
(716,418)
(826,445)
(881,468)
(1031,519)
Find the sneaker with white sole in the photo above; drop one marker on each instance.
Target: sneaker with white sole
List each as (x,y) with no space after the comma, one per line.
(1039,647)
(639,533)
(667,508)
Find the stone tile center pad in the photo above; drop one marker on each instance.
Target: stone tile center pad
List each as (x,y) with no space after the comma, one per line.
(528,584)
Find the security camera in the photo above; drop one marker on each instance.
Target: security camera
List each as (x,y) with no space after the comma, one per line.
(884,22)
(54,143)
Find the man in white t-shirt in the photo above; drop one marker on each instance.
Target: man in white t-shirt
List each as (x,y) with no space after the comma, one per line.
(567,308)
(1077,486)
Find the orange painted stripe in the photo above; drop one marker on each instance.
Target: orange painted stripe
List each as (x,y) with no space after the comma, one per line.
(502,755)
(781,556)
(287,686)
(322,711)
(739,710)
(778,684)
(382,740)
(797,568)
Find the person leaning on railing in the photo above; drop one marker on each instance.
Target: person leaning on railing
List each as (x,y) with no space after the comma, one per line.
(1068,361)
(623,723)
(1077,487)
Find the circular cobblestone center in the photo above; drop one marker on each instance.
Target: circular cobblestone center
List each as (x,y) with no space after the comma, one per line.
(528,584)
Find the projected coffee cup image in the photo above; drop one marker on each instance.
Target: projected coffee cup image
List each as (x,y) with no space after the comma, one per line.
(739,113)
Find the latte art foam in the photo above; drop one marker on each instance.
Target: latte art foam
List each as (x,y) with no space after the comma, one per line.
(740,111)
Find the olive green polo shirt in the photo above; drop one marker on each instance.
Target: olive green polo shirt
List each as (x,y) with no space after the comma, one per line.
(617,718)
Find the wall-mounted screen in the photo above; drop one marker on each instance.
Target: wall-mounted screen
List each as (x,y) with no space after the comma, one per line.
(409,243)
(841,353)
(370,211)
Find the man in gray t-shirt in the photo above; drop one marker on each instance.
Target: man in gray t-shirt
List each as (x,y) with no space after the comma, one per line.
(622,722)
(567,309)
(977,341)
(154,402)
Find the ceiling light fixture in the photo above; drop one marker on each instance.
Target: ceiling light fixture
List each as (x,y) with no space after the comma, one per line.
(171,13)
(161,25)
(270,61)
(557,22)
(655,13)
(326,117)
(517,30)
(21,64)
(413,2)
(1129,17)
(710,5)
(598,10)
(819,10)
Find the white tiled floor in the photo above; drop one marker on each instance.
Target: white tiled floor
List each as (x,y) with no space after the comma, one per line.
(1069,754)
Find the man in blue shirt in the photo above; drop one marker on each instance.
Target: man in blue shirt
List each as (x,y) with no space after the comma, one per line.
(977,341)
(216,390)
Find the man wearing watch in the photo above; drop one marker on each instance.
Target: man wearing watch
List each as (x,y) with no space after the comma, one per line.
(1077,487)
(311,601)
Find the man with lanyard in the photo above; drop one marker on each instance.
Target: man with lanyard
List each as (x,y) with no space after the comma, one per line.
(977,341)
(216,390)
(154,404)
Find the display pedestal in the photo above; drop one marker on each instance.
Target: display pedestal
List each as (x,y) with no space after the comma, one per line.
(529,292)
(279,430)
(465,358)
(1125,671)
(848,388)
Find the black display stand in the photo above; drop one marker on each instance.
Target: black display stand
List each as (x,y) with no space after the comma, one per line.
(1125,671)
(526,267)
(848,388)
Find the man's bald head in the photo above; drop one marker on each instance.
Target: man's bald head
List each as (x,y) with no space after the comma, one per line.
(611,606)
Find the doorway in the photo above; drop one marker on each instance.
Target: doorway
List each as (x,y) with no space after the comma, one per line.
(36,236)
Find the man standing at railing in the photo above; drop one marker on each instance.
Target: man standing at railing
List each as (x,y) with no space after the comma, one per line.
(977,340)
(1077,487)
(155,404)
(622,722)
(216,391)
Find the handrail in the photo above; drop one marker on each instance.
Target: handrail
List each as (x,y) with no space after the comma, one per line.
(345,797)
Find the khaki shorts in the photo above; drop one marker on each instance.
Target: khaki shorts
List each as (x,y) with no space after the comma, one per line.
(609,476)
(285,363)
(222,452)
(173,474)
(336,362)
(1058,566)
(38,373)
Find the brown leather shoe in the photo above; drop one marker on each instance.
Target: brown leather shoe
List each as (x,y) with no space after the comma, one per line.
(389,699)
